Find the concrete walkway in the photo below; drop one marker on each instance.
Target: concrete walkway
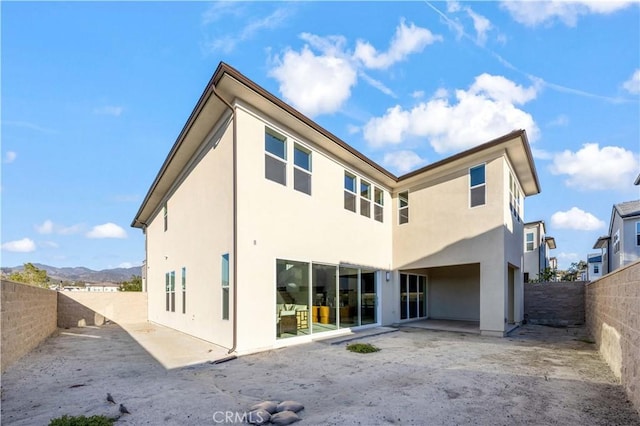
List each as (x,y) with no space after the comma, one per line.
(171,348)
(446,325)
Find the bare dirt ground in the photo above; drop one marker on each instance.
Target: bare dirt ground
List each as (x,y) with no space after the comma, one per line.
(538,376)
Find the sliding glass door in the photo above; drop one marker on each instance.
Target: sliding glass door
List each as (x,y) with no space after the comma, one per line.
(413,296)
(368,297)
(324,281)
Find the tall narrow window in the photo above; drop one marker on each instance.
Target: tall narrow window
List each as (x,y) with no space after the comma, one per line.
(365,198)
(173,291)
(378,198)
(167,291)
(301,169)
(403,207)
(349,191)
(638,233)
(165,215)
(184,290)
(529,241)
(225,286)
(616,242)
(275,157)
(477,195)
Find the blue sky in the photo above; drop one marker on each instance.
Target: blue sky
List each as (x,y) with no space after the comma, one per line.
(94,95)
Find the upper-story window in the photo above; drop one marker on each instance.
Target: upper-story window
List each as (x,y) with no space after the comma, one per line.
(365,198)
(638,233)
(165,215)
(275,157)
(616,242)
(301,169)
(349,191)
(529,241)
(403,207)
(378,199)
(514,197)
(477,185)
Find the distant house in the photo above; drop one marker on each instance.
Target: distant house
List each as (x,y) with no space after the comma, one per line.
(622,245)
(263,229)
(537,247)
(102,287)
(594,266)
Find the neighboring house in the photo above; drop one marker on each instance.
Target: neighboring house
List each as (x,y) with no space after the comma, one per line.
(622,245)
(537,246)
(263,229)
(594,266)
(102,287)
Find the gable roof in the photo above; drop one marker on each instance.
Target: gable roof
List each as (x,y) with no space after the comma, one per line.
(228,81)
(628,208)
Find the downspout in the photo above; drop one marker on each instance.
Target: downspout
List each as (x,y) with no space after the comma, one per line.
(235,221)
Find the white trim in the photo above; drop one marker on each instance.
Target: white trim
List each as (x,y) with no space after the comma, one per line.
(470,187)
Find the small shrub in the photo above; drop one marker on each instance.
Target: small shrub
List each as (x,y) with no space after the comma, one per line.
(362,348)
(81,421)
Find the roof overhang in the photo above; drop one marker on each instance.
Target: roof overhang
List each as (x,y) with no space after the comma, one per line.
(551,242)
(602,243)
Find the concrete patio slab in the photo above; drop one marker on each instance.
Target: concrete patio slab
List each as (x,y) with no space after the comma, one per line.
(445,325)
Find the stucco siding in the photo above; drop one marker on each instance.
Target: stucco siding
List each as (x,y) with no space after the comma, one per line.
(200,230)
(278,222)
(454,292)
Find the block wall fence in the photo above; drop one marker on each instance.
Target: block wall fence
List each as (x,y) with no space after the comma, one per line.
(555,303)
(612,306)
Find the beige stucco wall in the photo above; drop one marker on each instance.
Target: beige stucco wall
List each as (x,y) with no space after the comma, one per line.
(28,317)
(454,292)
(612,312)
(81,308)
(200,230)
(444,231)
(278,222)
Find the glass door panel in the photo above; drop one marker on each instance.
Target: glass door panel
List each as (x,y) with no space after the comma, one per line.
(403,296)
(292,298)
(368,309)
(413,296)
(422,296)
(349,297)
(325,307)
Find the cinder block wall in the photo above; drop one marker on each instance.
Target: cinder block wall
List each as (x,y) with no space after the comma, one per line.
(612,305)
(555,303)
(78,309)
(29,315)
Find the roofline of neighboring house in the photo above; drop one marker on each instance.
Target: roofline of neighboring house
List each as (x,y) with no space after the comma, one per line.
(224,68)
(551,241)
(600,241)
(535,222)
(637,181)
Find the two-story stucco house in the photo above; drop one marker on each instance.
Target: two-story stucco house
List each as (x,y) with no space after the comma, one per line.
(537,247)
(622,245)
(264,229)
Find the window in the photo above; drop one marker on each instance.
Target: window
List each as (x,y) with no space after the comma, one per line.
(365,198)
(167,291)
(275,157)
(378,199)
(184,290)
(173,291)
(225,286)
(514,197)
(349,191)
(477,186)
(403,207)
(638,233)
(529,241)
(165,216)
(616,242)
(596,269)
(301,169)
(526,277)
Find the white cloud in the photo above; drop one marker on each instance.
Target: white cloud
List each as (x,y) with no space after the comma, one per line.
(482,26)
(353,129)
(633,84)
(109,110)
(10,157)
(249,31)
(541,154)
(417,94)
(402,161)
(560,121)
(70,230)
(107,230)
(126,265)
(316,84)
(576,219)
(595,168)
(408,39)
(377,84)
(45,228)
(487,110)
(49,244)
(25,245)
(532,13)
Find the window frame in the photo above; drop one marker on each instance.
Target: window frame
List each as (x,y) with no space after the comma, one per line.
(479,185)
(378,204)
(350,192)
(616,242)
(365,200)
(224,280)
(401,207)
(302,169)
(268,131)
(527,242)
(184,290)
(638,234)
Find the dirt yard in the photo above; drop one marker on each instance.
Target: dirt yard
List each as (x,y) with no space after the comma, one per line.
(538,376)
